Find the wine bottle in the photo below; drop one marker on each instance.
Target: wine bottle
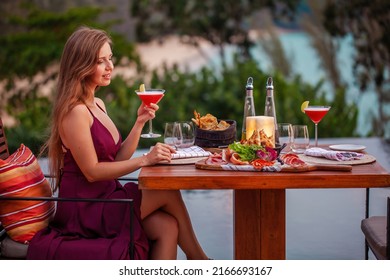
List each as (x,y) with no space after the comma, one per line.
(249,106)
(270,109)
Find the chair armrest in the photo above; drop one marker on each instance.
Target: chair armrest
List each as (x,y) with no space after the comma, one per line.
(97,200)
(2,232)
(130,179)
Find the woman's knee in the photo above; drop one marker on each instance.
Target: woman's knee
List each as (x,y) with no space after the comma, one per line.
(169,227)
(161,226)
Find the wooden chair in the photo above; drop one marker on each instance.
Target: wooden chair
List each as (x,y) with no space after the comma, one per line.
(376,230)
(4,152)
(10,249)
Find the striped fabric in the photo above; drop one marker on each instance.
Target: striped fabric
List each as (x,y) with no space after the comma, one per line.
(190,152)
(21,175)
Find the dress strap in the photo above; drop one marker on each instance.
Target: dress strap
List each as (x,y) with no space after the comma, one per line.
(100,108)
(89,110)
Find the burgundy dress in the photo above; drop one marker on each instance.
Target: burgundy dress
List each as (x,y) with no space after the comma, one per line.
(92,230)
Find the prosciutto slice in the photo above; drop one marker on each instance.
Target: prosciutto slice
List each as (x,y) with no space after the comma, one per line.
(215,159)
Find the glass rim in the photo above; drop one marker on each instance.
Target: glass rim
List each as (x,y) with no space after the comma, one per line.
(317,106)
(150,90)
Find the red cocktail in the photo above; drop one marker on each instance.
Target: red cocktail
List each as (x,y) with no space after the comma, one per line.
(147,97)
(151,96)
(316,113)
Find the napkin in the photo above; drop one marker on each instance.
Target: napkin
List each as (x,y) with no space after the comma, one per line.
(248,167)
(190,152)
(333,155)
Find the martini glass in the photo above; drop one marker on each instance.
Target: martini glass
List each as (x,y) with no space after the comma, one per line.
(147,97)
(316,113)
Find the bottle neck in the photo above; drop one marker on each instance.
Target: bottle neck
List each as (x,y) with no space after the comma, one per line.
(270,93)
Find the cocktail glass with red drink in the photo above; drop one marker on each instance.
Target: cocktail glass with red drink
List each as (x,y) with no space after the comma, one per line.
(316,113)
(150,96)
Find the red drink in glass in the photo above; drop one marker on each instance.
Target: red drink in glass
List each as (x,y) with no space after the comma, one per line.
(147,97)
(150,96)
(316,113)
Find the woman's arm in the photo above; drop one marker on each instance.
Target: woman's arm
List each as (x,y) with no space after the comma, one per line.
(76,135)
(130,144)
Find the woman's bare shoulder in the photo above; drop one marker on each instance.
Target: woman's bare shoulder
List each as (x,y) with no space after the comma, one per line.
(78,113)
(77,120)
(78,109)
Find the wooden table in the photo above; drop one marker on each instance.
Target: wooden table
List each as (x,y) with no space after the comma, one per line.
(259,198)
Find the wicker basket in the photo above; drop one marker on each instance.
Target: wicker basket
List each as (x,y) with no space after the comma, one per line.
(216,138)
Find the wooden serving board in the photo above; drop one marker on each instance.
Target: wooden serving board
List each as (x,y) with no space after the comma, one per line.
(314,167)
(285,168)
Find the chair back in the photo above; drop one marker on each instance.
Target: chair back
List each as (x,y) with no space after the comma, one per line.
(4,152)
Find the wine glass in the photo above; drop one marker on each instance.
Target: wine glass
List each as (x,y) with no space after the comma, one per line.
(300,140)
(285,131)
(316,113)
(184,132)
(169,135)
(147,97)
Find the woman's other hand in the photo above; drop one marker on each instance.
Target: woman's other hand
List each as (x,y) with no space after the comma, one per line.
(160,152)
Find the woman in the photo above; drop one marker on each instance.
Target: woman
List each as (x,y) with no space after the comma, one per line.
(87,147)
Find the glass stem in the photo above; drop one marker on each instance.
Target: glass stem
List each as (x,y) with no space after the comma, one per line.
(315,135)
(150,127)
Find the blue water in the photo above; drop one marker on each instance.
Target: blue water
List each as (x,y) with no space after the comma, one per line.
(306,63)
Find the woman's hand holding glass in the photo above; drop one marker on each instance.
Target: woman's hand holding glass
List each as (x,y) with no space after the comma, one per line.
(146,113)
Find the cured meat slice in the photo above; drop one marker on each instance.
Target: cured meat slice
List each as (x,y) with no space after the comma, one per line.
(292,159)
(215,159)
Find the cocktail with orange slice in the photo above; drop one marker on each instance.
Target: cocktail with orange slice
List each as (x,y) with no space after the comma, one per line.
(315,113)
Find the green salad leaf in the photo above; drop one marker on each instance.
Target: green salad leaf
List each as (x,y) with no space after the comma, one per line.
(246,152)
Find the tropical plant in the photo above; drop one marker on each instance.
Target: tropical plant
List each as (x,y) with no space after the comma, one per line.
(368,22)
(219,22)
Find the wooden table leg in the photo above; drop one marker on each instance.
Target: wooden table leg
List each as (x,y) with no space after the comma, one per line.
(260,224)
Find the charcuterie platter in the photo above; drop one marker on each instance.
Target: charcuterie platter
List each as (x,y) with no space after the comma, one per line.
(258,154)
(276,168)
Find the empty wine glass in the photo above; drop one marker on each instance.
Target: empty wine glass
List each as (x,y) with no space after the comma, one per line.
(169,135)
(184,132)
(300,139)
(285,131)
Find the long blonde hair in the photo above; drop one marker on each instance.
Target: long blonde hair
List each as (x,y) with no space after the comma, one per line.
(78,63)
